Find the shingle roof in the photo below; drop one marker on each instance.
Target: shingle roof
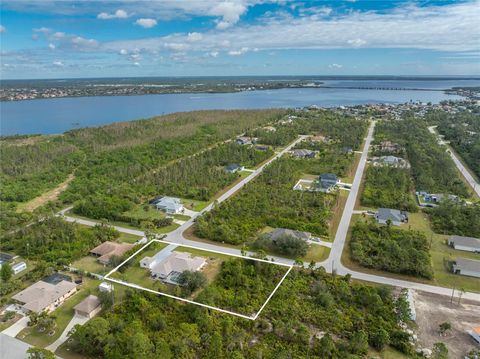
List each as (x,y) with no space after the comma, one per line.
(281,232)
(108,249)
(41,294)
(392,214)
(467,264)
(465,241)
(88,305)
(178,262)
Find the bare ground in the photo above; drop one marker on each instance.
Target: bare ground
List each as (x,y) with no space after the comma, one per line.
(51,195)
(432,310)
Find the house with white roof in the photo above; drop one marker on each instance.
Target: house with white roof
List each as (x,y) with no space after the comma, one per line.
(170,267)
(170,205)
(468,244)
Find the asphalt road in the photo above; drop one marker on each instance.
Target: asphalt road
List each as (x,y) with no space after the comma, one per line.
(334,259)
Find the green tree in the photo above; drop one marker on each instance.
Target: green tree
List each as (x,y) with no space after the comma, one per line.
(359,342)
(6,272)
(191,281)
(379,338)
(325,347)
(215,347)
(39,353)
(440,351)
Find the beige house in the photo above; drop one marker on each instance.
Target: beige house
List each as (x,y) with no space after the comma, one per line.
(174,264)
(108,249)
(42,296)
(88,307)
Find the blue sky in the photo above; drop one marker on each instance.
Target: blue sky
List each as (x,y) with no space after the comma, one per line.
(60,39)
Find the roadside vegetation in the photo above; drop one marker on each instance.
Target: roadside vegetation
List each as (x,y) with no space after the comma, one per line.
(390,249)
(351,317)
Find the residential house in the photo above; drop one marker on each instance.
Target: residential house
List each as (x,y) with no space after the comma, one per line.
(245,140)
(319,138)
(468,244)
(270,129)
(170,205)
(19,267)
(346,150)
(261,147)
(468,267)
(388,146)
(327,182)
(5,258)
(88,307)
(390,161)
(169,268)
(303,153)
(285,232)
(232,168)
(42,296)
(108,249)
(395,216)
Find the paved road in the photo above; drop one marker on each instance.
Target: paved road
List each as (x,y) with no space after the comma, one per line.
(465,172)
(334,259)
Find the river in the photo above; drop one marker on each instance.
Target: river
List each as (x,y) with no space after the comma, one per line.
(49,116)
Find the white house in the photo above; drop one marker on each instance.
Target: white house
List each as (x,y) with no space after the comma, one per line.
(170,205)
(19,267)
(468,267)
(105,287)
(468,244)
(395,216)
(169,268)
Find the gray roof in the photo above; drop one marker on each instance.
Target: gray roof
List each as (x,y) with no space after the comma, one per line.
(281,232)
(391,214)
(12,348)
(467,264)
(302,152)
(465,241)
(328,177)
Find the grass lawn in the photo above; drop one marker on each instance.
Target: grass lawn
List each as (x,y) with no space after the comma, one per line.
(166,229)
(337,212)
(316,253)
(5,324)
(139,212)
(63,315)
(202,253)
(194,205)
(128,238)
(90,264)
(388,353)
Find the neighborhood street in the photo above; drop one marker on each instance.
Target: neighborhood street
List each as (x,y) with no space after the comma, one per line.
(334,259)
(465,172)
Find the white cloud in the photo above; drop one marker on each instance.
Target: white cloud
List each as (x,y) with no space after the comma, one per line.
(51,46)
(58,35)
(80,42)
(229,11)
(119,14)
(136,64)
(238,52)
(123,51)
(43,30)
(213,54)
(335,66)
(2,28)
(356,42)
(176,46)
(194,36)
(146,23)
(58,63)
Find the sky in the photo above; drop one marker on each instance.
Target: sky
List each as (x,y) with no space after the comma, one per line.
(123,38)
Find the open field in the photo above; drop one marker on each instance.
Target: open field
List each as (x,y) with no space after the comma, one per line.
(90,264)
(432,310)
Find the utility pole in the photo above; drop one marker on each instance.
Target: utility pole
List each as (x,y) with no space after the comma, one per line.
(453,292)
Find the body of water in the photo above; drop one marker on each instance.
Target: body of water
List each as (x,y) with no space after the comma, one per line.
(48,116)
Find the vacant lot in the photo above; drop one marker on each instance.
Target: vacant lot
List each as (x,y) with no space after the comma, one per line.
(432,310)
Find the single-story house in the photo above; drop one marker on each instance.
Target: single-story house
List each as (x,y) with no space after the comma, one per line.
(303,153)
(394,215)
(245,140)
(319,138)
(261,147)
(468,267)
(88,307)
(283,232)
(346,150)
(327,182)
(169,268)
(170,205)
(391,161)
(475,333)
(433,199)
(42,296)
(56,278)
(105,287)
(468,244)
(232,168)
(19,267)
(108,249)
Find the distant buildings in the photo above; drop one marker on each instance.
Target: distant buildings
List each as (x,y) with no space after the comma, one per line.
(468,244)
(388,146)
(5,258)
(108,249)
(468,267)
(390,161)
(434,199)
(245,140)
(169,205)
(105,287)
(285,232)
(232,168)
(394,216)
(42,296)
(303,153)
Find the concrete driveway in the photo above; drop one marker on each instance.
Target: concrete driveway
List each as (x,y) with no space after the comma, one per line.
(17,327)
(75,320)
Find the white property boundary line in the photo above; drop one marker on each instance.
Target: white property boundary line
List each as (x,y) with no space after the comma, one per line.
(136,286)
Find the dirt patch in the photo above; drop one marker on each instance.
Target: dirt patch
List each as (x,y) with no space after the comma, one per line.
(51,195)
(433,310)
